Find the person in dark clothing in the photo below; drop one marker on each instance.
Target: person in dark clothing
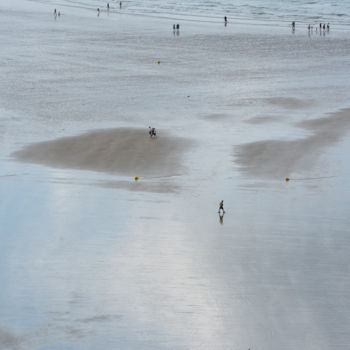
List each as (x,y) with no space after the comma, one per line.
(221,207)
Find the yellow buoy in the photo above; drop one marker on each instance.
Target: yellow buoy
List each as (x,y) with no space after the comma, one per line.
(286,178)
(136,178)
(158,62)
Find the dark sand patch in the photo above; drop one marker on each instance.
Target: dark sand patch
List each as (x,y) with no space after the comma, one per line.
(123,151)
(279,158)
(264,119)
(289,103)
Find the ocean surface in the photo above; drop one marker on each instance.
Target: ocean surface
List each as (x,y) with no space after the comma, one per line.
(268,12)
(92,260)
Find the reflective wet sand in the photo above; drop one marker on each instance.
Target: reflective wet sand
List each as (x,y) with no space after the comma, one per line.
(92,259)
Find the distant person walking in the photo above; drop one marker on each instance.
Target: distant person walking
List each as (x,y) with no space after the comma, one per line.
(221,207)
(107,6)
(225,20)
(120,4)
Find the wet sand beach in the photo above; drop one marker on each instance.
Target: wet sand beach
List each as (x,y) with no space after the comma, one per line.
(92,259)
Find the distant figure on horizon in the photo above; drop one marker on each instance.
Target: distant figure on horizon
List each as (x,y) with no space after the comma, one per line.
(328,27)
(178,26)
(54,12)
(324,26)
(225,20)
(320,26)
(293,26)
(221,207)
(107,6)
(98,11)
(120,4)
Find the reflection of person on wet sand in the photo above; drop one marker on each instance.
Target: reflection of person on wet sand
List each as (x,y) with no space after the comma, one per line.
(221,218)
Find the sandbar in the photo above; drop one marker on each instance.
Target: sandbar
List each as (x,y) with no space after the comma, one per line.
(278,158)
(126,151)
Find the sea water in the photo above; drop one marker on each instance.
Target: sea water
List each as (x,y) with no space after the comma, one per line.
(269,12)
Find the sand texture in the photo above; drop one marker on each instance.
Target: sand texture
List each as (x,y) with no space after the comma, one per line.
(123,151)
(279,158)
(288,102)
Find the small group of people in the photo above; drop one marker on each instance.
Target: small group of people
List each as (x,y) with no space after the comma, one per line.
(323,26)
(56,13)
(310,27)
(152,132)
(176,29)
